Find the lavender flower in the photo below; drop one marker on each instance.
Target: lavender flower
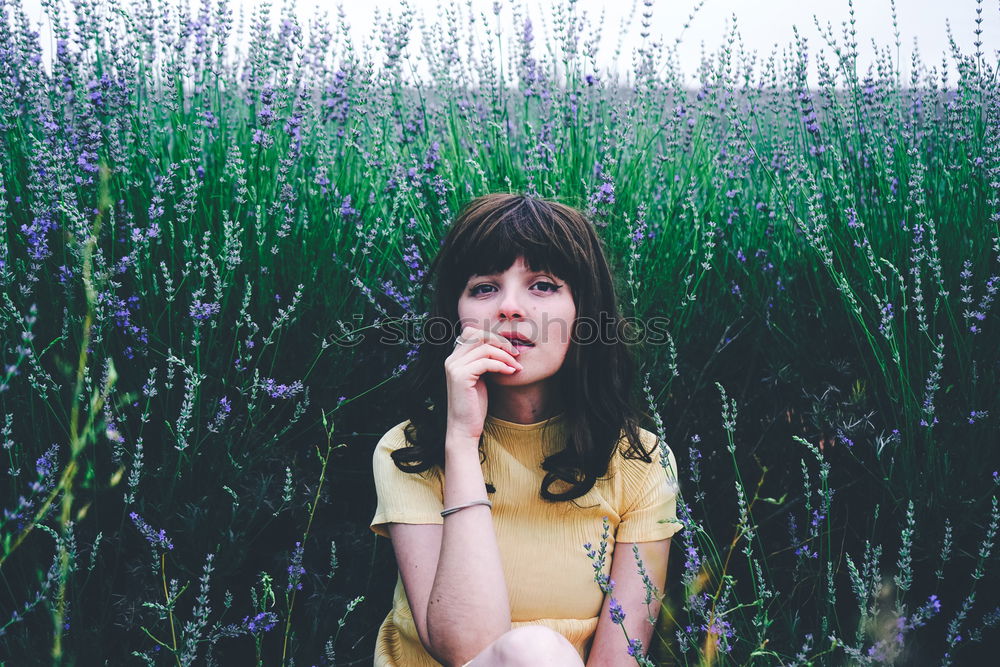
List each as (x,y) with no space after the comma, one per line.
(346,210)
(157,539)
(202,311)
(605,194)
(65,274)
(432,157)
(262,139)
(887,315)
(412,257)
(719,627)
(976,415)
(265,116)
(262,622)
(209,120)
(338,101)
(295,569)
(281,391)
(45,466)
(121,312)
(617,613)
(225,407)
(599,558)
(36,235)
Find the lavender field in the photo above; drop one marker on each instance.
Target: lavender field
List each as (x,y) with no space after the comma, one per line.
(215,231)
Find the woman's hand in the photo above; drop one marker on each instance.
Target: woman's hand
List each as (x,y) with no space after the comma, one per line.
(480,352)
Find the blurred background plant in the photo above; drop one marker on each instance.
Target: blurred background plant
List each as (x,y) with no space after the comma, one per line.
(213,237)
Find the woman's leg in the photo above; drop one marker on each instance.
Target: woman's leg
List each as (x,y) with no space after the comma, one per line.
(528,646)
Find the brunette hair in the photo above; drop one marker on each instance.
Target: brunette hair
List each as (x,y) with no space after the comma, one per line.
(596,379)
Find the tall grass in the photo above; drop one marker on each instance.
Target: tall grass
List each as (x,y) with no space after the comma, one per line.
(209,220)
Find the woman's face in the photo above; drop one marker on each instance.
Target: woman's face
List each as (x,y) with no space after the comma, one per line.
(536,304)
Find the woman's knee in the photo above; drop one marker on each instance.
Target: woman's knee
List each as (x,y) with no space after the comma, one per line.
(533,645)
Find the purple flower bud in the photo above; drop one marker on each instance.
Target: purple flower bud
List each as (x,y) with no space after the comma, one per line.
(617,613)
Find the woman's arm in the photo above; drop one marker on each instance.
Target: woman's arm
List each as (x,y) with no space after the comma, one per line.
(453,575)
(610,649)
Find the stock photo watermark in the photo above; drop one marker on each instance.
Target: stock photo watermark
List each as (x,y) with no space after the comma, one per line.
(603,330)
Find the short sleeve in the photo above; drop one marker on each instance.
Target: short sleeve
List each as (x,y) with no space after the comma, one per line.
(652,513)
(403,497)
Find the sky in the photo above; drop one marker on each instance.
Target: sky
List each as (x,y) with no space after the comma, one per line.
(761,24)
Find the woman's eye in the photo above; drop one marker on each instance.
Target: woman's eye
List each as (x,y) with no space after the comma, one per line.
(544,285)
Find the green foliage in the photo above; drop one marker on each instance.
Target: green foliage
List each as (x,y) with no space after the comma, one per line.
(206,229)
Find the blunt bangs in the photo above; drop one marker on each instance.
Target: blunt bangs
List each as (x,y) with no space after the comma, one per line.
(490,235)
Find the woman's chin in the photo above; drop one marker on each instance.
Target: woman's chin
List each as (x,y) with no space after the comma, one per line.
(506,378)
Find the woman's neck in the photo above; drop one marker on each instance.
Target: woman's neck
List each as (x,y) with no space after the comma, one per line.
(523,405)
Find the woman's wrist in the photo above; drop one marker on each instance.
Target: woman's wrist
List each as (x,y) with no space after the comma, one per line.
(473,503)
(463,474)
(461,448)
(460,440)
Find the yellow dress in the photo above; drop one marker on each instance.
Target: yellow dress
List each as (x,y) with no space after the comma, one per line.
(550,579)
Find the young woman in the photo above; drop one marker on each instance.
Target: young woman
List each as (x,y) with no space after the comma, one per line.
(523,436)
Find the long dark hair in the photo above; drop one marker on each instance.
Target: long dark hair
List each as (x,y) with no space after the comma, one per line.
(596,378)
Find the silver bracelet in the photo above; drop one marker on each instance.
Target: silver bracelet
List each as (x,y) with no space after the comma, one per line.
(462,507)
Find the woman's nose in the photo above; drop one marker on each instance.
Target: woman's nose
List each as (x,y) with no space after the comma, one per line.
(510,307)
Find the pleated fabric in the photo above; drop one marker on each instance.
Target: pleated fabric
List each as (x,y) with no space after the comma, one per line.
(550,579)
